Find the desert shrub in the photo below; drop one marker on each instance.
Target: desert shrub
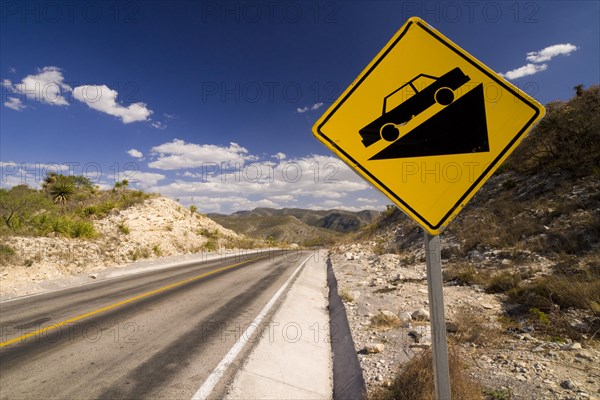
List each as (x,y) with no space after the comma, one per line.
(564,291)
(157,250)
(19,204)
(541,316)
(241,243)
(346,296)
(503,282)
(124,229)
(566,140)
(7,253)
(64,225)
(415,380)
(379,248)
(383,321)
(497,394)
(82,230)
(210,245)
(105,207)
(130,198)
(88,212)
(316,241)
(474,327)
(465,274)
(140,252)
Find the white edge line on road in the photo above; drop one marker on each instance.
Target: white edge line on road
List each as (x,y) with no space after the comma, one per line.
(209,384)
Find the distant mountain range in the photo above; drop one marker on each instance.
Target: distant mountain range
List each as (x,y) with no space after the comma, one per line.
(296,225)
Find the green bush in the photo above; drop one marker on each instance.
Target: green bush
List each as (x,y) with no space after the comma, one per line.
(64,225)
(210,245)
(540,315)
(214,234)
(88,212)
(7,253)
(82,230)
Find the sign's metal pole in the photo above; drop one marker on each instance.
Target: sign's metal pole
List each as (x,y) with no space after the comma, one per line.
(441,371)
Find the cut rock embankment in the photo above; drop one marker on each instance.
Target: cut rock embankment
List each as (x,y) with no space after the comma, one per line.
(156,228)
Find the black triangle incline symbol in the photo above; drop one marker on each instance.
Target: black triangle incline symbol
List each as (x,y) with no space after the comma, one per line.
(459,128)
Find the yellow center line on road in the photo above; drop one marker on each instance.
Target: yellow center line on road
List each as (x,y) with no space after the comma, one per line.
(121,303)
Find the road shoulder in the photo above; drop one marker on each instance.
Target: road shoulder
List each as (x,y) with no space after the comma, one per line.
(293,359)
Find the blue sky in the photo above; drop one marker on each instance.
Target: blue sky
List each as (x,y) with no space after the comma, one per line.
(213,103)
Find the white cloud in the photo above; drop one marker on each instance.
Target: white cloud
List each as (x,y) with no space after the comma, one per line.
(158,125)
(15,104)
(529,69)
(189,174)
(135,153)
(179,154)
(337,207)
(368,201)
(146,179)
(296,182)
(279,156)
(283,197)
(550,52)
(47,86)
(12,70)
(314,107)
(546,54)
(311,181)
(104,99)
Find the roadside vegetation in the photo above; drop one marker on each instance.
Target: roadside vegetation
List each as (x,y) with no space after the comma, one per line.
(415,380)
(64,206)
(532,234)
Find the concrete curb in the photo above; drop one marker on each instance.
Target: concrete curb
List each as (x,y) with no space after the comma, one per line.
(348,381)
(292,363)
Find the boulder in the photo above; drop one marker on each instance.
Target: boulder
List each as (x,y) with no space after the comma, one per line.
(374,348)
(420,315)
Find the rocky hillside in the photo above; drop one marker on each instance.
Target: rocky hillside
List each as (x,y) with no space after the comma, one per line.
(153,228)
(521,268)
(502,358)
(295,225)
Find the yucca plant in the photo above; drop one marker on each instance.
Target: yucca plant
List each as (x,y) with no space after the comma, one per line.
(61,191)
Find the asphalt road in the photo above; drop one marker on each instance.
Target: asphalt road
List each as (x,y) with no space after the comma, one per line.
(152,335)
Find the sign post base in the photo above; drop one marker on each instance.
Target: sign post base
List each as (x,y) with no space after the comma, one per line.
(441,370)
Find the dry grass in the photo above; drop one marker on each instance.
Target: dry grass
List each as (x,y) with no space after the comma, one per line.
(382,321)
(503,282)
(465,274)
(415,381)
(563,291)
(346,296)
(474,327)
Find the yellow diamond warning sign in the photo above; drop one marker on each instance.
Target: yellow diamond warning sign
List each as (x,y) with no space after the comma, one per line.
(427,124)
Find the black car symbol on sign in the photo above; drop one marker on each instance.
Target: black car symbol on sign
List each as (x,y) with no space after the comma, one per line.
(441,91)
